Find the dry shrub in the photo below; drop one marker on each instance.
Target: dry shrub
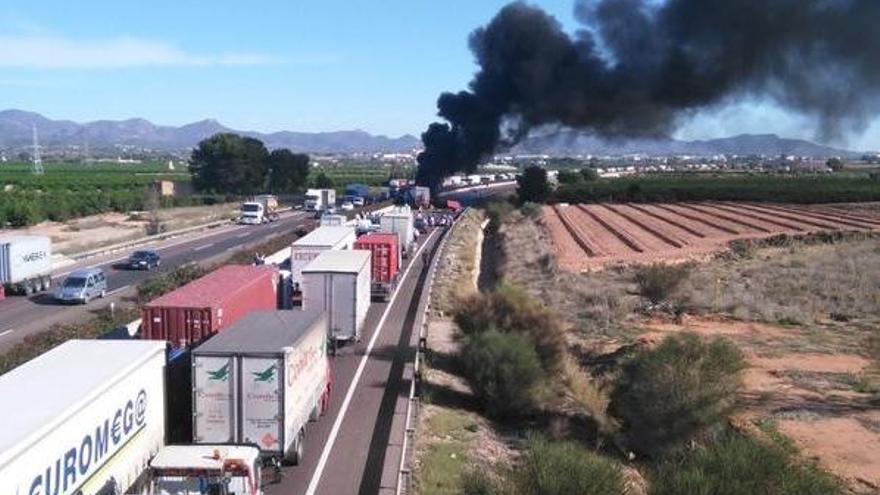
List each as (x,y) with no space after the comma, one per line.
(510,309)
(670,395)
(658,282)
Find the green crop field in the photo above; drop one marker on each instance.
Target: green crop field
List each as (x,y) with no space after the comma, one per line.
(67,191)
(367,174)
(758,187)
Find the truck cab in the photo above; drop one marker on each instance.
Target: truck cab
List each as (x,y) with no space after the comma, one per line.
(252,213)
(206,469)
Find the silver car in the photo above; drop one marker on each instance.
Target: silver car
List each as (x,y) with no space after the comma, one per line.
(82,286)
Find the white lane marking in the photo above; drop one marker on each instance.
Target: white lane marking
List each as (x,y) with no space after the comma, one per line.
(203,246)
(6,332)
(242,236)
(120,289)
(325,454)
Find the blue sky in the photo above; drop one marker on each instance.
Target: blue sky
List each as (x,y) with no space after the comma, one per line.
(271,65)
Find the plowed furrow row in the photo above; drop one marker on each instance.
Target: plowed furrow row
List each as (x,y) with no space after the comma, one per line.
(837,215)
(643,225)
(623,236)
(580,237)
(708,210)
(699,219)
(761,216)
(664,217)
(811,220)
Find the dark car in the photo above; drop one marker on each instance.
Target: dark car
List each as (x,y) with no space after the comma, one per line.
(143,260)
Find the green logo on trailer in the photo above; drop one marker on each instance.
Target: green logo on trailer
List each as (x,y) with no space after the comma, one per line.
(266,375)
(219,375)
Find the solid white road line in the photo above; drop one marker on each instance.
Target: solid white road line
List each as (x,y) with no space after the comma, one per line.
(242,236)
(6,332)
(120,289)
(203,246)
(325,454)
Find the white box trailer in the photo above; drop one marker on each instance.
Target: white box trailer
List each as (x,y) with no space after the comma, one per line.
(399,221)
(309,246)
(320,199)
(261,380)
(82,417)
(338,282)
(25,263)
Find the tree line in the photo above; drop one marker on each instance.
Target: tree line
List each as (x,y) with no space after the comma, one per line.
(235,164)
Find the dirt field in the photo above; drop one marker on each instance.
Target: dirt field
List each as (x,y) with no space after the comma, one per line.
(820,397)
(588,237)
(83,234)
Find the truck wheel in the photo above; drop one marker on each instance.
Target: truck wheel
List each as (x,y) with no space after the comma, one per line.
(295,456)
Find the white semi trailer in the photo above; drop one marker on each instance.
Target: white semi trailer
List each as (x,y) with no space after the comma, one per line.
(399,220)
(320,199)
(338,282)
(309,246)
(25,263)
(85,417)
(261,380)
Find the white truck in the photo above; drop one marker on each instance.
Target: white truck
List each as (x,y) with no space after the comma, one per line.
(338,282)
(309,246)
(259,210)
(399,220)
(319,199)
(87,417)
(25,263)
(261,381)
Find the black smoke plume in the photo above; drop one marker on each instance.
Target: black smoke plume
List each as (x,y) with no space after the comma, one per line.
(637,67)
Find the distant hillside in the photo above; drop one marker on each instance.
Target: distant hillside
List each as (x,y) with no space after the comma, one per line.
(575,143)
(16,125)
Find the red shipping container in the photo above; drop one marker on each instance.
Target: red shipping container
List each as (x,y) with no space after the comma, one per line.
(203,307)
(386,255)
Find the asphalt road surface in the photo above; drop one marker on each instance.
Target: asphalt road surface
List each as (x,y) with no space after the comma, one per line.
(346,448)
(21,316)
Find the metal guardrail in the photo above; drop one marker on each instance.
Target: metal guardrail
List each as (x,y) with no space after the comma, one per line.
(404,472)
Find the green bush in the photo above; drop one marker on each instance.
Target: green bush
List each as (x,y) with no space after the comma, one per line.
(658,282)
(668,396)
(738,465)
(565,468)
(510,309)
(531,210)
(502,370)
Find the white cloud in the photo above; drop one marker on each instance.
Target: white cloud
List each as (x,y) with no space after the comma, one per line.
(52,52)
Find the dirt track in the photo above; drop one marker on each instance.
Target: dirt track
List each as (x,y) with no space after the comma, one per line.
(591,236)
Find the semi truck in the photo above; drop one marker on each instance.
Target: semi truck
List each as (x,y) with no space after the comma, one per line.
(259,210)
(25,264)
(338,282)
(399,220)
(319,199)
(203,307)
(261,381)
(384,262)
(94,425)
(308,247)
(99,423)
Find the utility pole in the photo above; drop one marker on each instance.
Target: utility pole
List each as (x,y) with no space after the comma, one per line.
(37,166)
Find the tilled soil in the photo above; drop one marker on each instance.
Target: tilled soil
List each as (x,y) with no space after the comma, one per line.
(588,237)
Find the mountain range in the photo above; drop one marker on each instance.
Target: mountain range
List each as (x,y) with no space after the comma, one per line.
(16,132)
(567,143)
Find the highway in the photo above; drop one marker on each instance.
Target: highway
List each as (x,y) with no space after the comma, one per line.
(346,449)
(22,316)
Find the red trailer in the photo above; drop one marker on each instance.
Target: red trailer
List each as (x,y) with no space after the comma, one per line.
(203,307)
(385,262)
